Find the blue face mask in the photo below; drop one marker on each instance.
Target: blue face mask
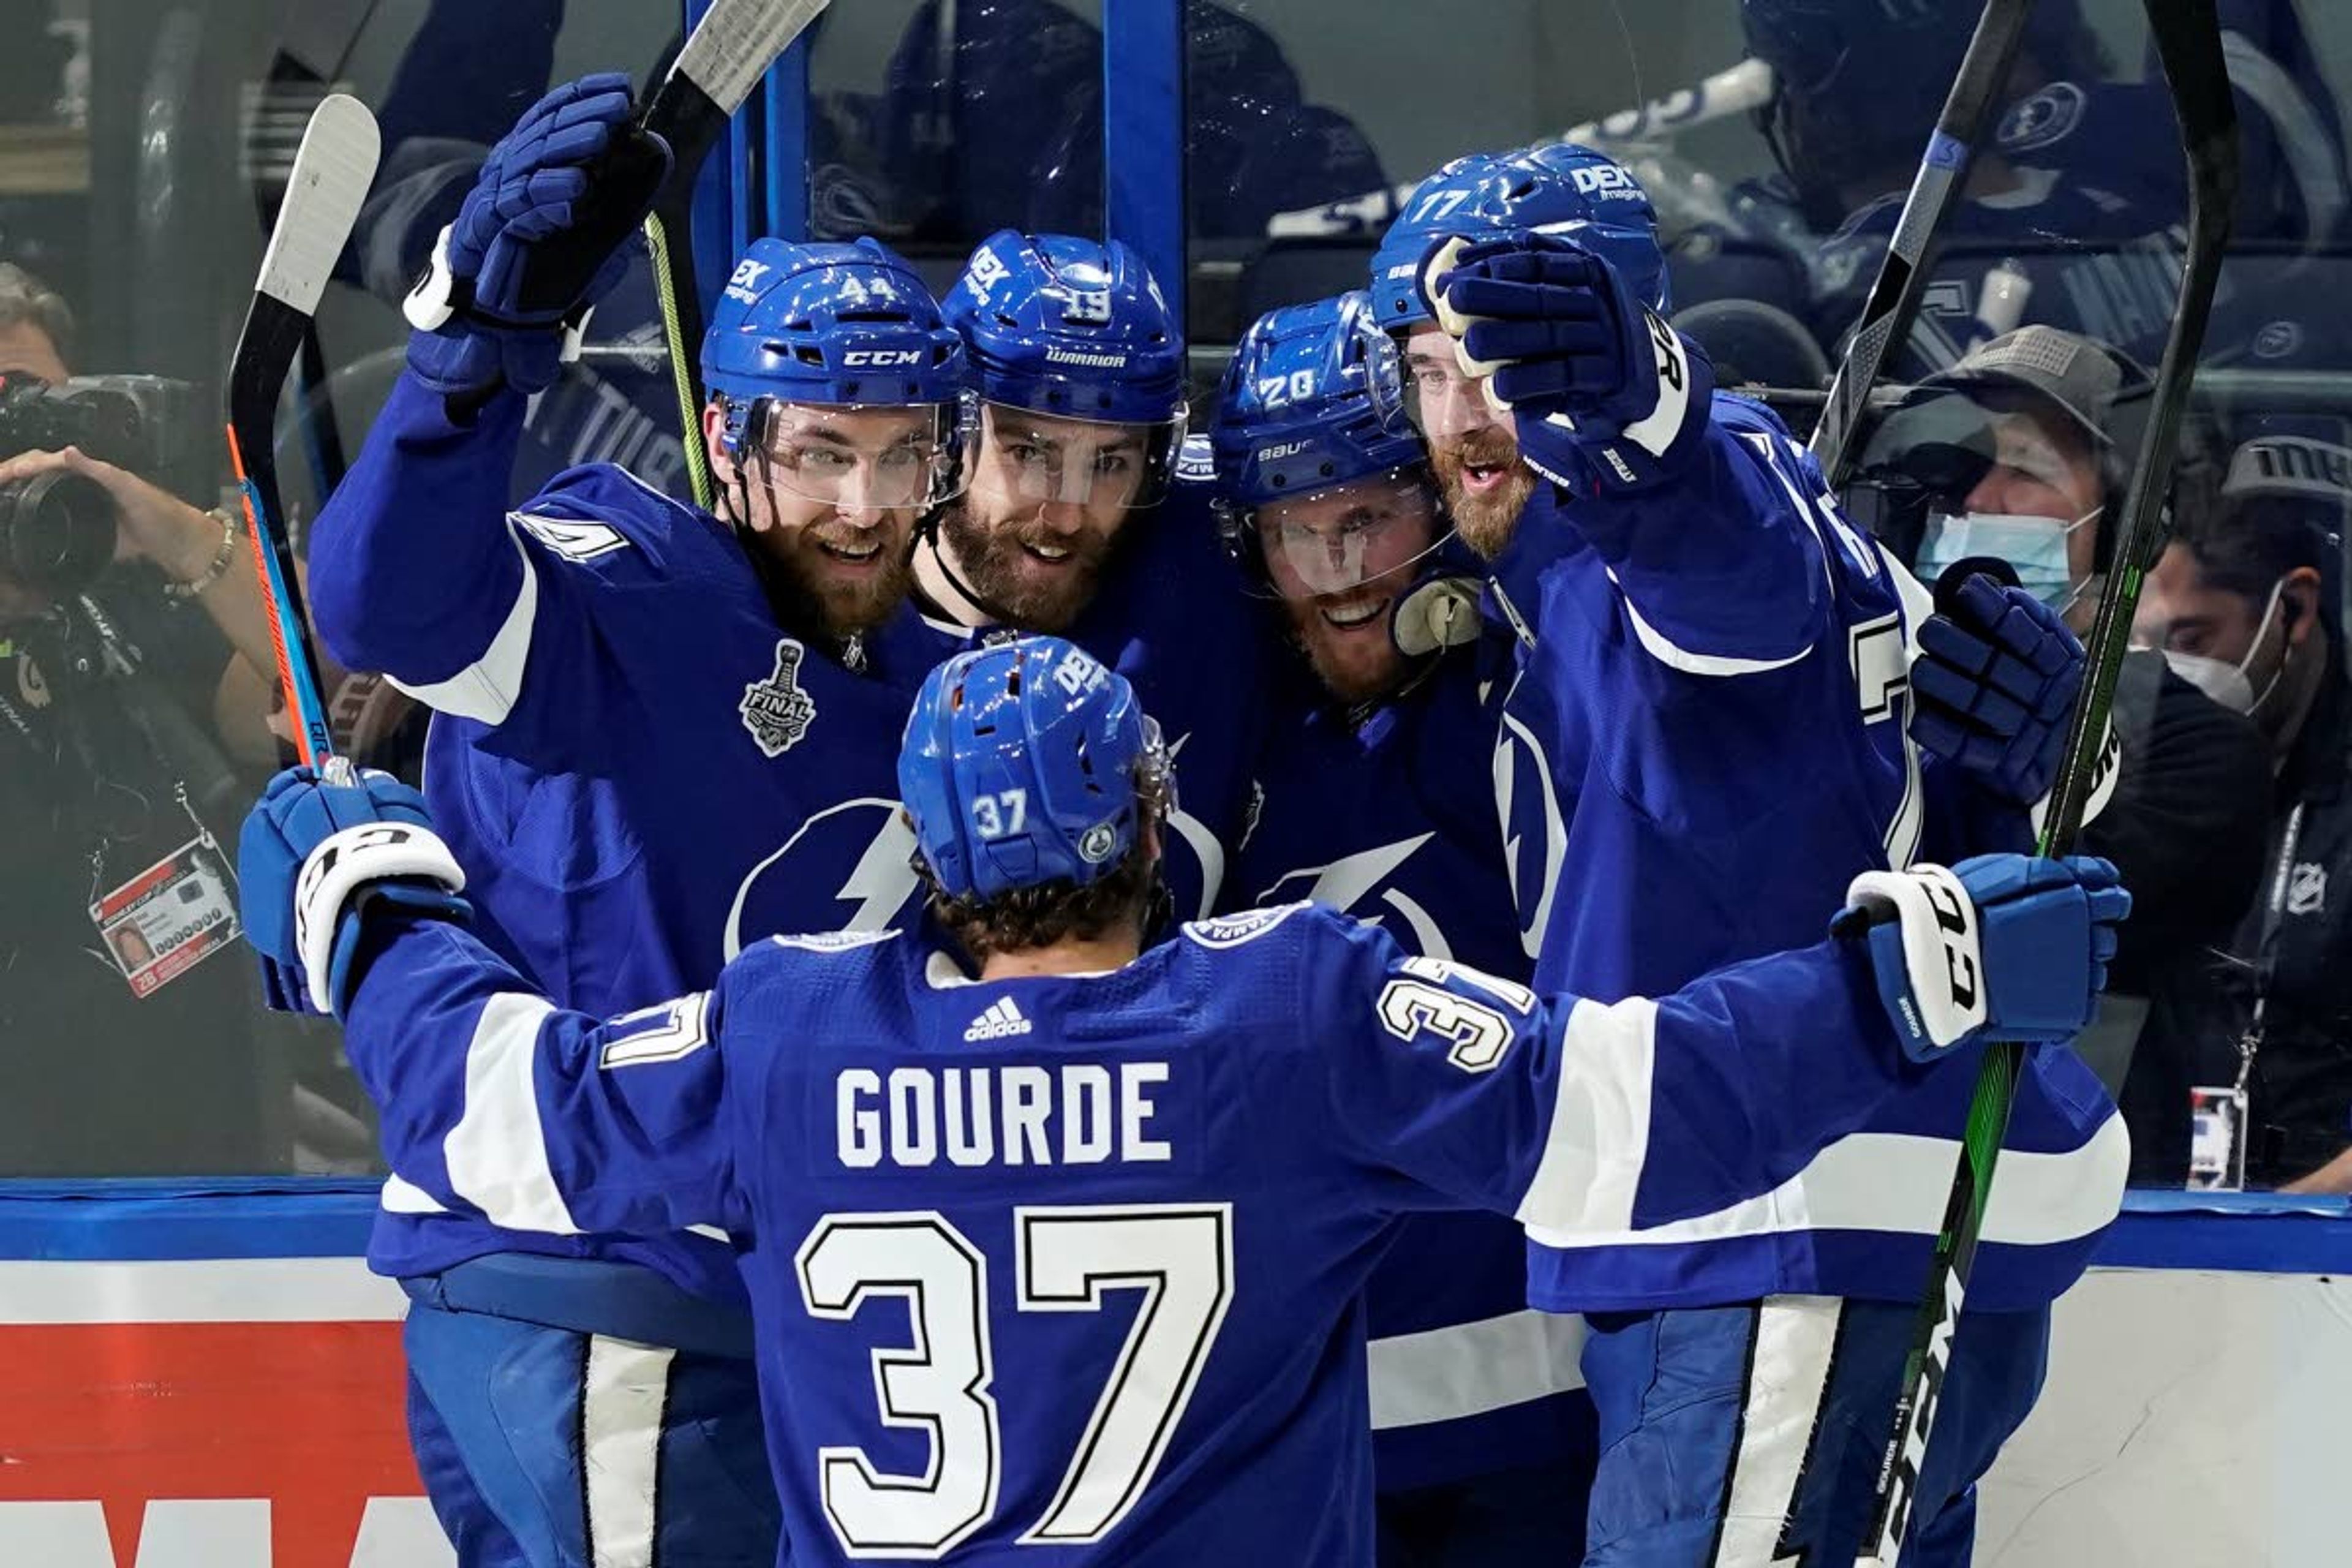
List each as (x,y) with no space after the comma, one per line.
(2035,546)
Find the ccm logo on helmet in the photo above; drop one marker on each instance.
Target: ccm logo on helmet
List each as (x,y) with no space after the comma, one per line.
(882,359)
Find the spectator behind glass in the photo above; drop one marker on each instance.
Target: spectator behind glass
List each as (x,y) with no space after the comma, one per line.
(126,1004)
(2021,451)
(2246,604)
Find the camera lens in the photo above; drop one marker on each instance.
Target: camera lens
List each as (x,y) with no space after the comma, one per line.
(57,532)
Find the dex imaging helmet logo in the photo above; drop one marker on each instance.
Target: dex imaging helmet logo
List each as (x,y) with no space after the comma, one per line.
(1002,1021)
(744,283)
(776,711)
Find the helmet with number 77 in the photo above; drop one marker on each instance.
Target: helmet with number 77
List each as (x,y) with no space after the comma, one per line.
(1564,189)
(1026,763)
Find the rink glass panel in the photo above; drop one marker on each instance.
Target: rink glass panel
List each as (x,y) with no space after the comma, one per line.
(140,144)
(142,149)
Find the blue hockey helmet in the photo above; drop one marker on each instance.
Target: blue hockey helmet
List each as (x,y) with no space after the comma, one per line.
(1316,460)
(1448,202)
(1025,763)
(1564,188)
(1070,328)
(844,328)
(1058,328)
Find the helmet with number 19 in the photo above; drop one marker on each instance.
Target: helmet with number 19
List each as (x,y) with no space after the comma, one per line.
(1077,375)
(835,417)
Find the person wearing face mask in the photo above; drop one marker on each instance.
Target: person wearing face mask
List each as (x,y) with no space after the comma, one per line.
(2245,604)
(2020,452)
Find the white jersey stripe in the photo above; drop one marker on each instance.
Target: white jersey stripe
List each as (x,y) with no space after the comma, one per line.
(1897,1182)
(1606,1061)
(623,1394)
(1469,1369)
(486,689)
(497,1155)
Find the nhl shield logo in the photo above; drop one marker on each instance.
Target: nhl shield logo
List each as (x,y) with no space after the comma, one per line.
(776,711)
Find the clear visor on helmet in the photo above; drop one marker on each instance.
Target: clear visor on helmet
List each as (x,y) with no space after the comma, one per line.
(877,456)
(1035,459)
(1371,533)
(1443,401)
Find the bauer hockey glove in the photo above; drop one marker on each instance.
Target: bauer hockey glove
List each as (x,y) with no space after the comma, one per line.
(1994,686)
(2000,947)
(1605,394)
(540,239)
(313,857)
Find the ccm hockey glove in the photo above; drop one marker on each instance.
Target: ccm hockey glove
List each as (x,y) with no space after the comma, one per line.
(313,857)
(2000,947)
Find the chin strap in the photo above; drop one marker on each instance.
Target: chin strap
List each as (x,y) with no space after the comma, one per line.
(926,537)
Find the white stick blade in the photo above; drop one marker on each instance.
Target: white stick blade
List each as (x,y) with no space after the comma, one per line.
(332,171)
(737,41)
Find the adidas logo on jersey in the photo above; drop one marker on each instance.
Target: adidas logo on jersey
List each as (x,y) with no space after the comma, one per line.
(1001,1019)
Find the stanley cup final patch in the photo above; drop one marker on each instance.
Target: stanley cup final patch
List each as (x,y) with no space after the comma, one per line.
(776,711)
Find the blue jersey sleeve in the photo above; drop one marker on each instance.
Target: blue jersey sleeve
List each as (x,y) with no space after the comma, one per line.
(494,1102)
(413,571)
(1584,1119)
(1720,569)
(420,570)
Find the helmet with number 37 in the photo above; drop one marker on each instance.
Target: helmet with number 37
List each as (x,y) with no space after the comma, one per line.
(1024,763)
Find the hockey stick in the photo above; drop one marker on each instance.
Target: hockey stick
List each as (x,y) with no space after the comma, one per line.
(331,173)
(732,48)
(2187,38)
(1895,296)
(1732,90)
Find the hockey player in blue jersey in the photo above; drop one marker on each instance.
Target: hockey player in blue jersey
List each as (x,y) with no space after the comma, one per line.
(650,746)
(1376,801)
(1062,1253)
(1072,523)
(1706,727)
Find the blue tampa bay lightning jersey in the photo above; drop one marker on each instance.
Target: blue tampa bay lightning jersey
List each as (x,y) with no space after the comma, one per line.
(1078,1260)
(1703,740)
(639,769)
(1169,616)
(1391,820)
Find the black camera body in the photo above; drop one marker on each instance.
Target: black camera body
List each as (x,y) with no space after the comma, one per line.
(58,530)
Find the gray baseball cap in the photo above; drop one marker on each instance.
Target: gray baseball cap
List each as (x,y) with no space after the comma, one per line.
(2073,372)
(2291,466)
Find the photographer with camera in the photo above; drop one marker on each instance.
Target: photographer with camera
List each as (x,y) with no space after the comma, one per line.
(136,668)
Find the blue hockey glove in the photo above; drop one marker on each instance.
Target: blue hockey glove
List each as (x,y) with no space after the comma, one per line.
(1603,390)
(312,856)
(541,238)
(1995,684)
(2006,947)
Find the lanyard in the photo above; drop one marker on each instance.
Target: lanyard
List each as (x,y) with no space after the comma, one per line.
(2266,945)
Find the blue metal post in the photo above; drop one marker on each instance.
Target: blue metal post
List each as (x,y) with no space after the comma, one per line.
(785,151)
(1144,136)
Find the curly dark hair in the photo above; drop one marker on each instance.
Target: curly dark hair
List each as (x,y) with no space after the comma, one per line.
(1059,910)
